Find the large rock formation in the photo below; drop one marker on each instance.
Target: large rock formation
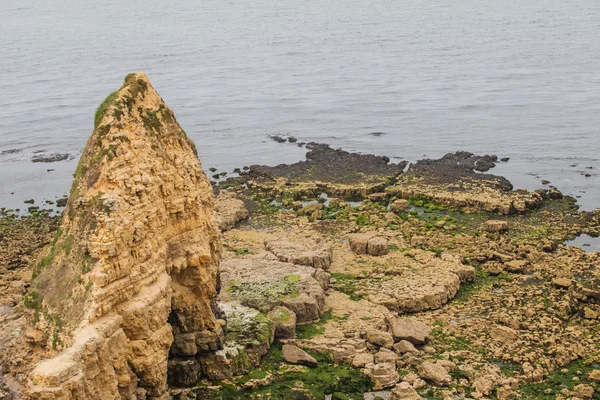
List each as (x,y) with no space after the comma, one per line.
(134,266)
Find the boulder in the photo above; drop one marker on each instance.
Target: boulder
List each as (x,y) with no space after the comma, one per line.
(404,391)
(409,329)
(261,282)
(380,338)
(435,373)
(399,205)
(295,355)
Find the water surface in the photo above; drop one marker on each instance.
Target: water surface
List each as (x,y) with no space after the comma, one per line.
(515,78)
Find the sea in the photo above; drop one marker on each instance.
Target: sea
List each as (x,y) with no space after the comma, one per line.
(406,79)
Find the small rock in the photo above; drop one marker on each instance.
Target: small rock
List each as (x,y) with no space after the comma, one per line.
(494,226)
(404,346)
(516,266)
(594,376)
(409,329)
(588,313)
(562,283)
(483,386)
(545,182)
(295,355)
(505,159)
(399,206)
(285,322)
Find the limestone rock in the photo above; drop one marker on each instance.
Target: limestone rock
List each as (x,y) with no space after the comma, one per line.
(483,386)
(134,266)
(409,329)
(368,243)
(435,373)
(285,322)
(399,205)
(404,391)
(302,250)
(385,356)
(563,283)
(594,376)
(295,355)
(262,282)
(494,226)
(362,359)
(516,266)
(583,391)
(404,346)
(230,210)
(380,338)
(384,375)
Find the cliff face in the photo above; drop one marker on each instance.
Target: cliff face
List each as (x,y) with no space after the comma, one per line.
(131,277)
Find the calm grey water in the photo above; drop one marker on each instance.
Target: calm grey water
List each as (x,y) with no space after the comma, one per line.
(516,78)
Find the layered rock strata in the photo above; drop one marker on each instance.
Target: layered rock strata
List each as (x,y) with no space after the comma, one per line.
(132,274)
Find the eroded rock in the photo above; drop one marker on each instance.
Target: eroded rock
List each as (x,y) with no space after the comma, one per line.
(134,268)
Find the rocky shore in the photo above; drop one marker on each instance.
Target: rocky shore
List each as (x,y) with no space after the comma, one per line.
(344,276)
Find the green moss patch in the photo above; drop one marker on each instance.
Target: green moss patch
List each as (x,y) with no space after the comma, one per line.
(102,108)
(342,381)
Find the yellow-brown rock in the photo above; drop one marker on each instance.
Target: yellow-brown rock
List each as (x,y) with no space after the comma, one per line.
(134,266)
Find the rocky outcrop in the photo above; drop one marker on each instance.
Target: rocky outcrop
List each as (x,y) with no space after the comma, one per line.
(263,282)
(230,210)
(249,336)
(132,274)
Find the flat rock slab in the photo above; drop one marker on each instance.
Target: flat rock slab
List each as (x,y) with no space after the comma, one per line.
(416,284)
(263,282)
(295,355)
(302,250)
